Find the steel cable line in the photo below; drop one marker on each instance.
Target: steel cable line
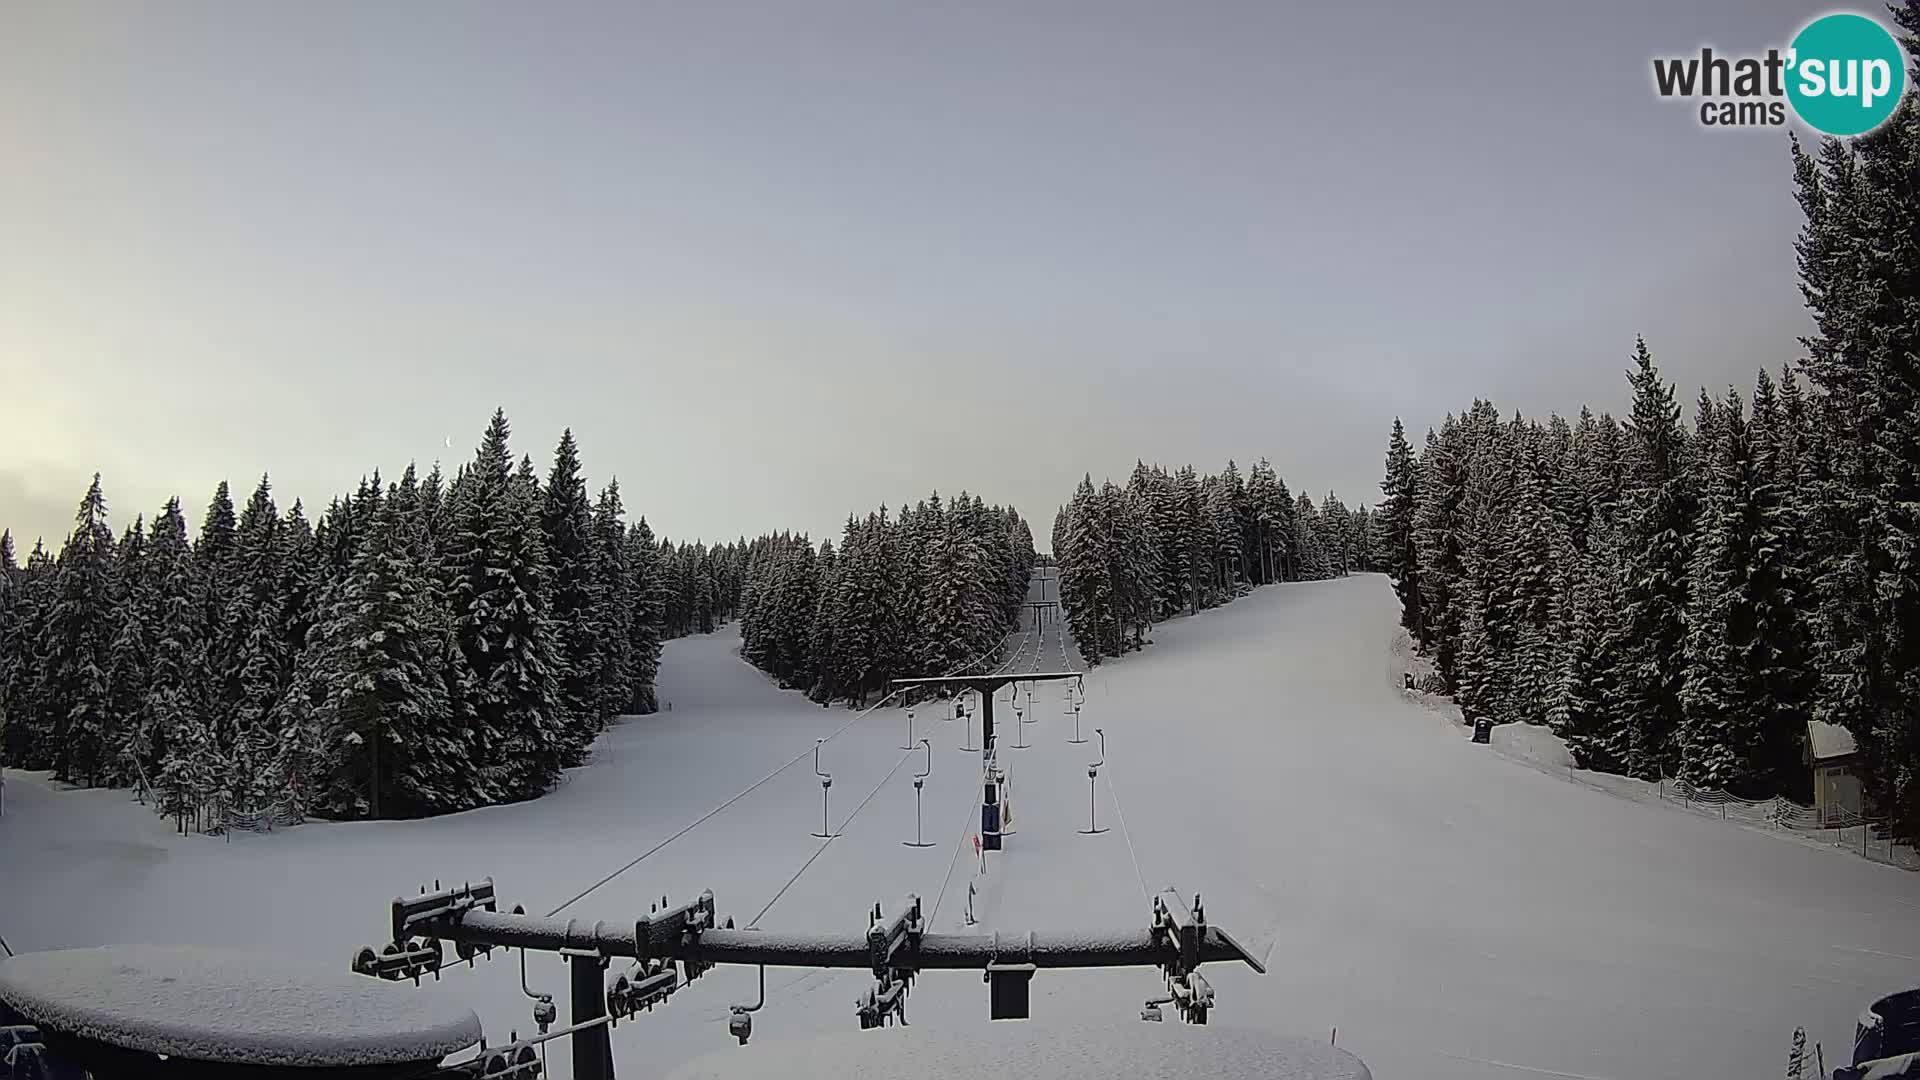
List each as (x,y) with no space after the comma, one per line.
(1025,635)
(838,832)
(1127,835)
(966,826)
(751,788)
(836,835)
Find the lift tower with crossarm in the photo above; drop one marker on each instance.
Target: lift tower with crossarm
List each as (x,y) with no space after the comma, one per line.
(992,777)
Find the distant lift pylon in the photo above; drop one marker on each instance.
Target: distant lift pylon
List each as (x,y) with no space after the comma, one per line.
(991,777)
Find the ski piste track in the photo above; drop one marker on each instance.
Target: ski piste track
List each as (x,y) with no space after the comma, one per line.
(1035,634)
(1042,645)
(1454,914)
(1036,645)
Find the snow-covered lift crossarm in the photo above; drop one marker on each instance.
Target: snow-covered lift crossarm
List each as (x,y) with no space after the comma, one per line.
(986,686)
(994,815)
(1175,939)
(1070,949)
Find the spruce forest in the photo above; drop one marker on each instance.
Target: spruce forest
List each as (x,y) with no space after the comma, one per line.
(1680,600)
(933,592)
(1171,543)
(426,646)
(433,645)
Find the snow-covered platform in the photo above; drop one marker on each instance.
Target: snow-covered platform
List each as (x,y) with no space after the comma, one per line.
(229,1007)
(1036,1050)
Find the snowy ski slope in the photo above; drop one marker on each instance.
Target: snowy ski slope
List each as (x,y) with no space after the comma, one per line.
(1452,913)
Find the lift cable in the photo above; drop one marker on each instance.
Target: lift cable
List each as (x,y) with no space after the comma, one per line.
(966,829)
(966,822)
(837,833)
(959,845)
(1125,833)
(1114,792)
(750,788)
(1004,665)
(1128,836)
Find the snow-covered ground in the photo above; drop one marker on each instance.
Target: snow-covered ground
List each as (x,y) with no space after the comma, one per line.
(1452,912)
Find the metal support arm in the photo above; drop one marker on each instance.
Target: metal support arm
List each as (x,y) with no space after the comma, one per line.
(1118,948)
(1177,940)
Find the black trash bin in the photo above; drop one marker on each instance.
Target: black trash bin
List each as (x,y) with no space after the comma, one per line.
(1888,1028)
(1483,730)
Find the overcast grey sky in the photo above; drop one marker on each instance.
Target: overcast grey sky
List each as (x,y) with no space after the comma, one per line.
(775,262)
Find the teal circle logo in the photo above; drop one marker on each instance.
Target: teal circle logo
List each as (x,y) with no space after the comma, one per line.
(1846,74)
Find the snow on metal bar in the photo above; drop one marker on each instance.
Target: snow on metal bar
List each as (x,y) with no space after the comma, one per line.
(1051,949)
(1000,679)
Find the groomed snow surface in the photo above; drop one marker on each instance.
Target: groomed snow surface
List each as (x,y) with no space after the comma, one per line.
(1453,913)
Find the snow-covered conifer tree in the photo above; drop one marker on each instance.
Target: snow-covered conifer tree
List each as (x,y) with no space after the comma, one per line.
(649,598)
(566,522)
(498,595)
(76,662)
(1656,547)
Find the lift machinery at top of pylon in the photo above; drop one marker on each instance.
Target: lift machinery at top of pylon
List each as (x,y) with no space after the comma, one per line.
(153,1012)
(897,949)
(993,777)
